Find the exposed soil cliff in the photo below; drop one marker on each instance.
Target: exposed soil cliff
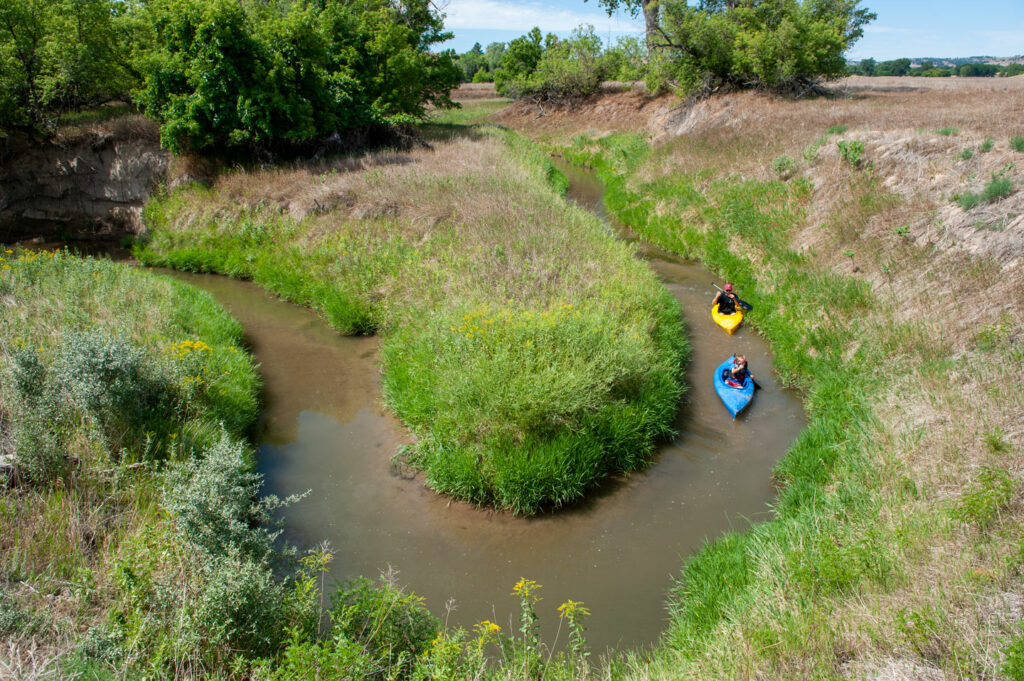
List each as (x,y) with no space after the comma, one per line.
(84,182)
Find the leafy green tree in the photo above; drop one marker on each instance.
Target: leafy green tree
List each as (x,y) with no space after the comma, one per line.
(893,67)
(518,61)
(60,55)
(626,59)
(472,61)
(245,75)
(24,27)
(554,70)
(773,44)
(866,67)
(978,70)
(1014,69)
(493,55)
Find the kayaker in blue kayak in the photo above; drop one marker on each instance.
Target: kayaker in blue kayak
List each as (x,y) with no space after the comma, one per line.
(726,300)
(737,375)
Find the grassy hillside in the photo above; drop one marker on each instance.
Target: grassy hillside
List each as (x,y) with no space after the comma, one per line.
(896,304)
(530,352)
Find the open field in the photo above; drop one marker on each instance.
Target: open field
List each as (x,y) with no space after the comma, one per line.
(879,237)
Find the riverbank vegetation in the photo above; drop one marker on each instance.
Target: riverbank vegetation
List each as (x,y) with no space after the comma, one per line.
(224,77)
(529,351)
(135,542)
(895,547)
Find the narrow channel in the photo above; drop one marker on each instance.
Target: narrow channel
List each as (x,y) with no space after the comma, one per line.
(325,430)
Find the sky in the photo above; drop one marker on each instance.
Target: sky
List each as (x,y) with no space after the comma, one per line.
(904,28)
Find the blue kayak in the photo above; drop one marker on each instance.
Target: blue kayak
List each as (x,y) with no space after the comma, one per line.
(734,399)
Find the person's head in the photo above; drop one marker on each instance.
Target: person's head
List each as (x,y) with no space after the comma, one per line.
(740,361)
(728,288)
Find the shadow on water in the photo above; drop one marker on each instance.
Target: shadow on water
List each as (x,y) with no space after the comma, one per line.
(325,430)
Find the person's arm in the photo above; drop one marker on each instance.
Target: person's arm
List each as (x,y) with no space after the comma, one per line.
(718,296)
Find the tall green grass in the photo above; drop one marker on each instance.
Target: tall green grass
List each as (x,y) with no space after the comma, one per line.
(531,353)
(812,543)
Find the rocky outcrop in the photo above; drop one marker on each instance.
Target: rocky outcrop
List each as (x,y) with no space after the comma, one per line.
(92,183)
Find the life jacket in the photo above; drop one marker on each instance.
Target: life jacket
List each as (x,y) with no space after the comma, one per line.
(727,304)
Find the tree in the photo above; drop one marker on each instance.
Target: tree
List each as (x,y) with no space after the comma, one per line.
(650,10)
(893,67)
(493,55)
(773,44)
(472,61)
(553,70)
(866,67)
(519,60)
(24,27)
(246,75)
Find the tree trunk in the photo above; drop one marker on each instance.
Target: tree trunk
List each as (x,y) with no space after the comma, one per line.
(651,22)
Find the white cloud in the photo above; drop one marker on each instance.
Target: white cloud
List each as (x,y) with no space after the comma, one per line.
(508,15)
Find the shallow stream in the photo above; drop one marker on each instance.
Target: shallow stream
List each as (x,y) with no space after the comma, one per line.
(324,429)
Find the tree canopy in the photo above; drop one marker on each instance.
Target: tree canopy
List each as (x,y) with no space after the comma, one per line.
(224,75)
(772,44)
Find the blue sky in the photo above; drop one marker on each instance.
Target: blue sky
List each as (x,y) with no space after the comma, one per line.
(935,28)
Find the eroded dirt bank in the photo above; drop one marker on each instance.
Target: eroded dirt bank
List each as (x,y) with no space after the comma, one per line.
(83,183)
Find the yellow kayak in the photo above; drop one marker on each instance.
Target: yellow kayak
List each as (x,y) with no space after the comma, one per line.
(729,322)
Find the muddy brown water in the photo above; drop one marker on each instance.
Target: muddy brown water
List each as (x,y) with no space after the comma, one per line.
(324,429)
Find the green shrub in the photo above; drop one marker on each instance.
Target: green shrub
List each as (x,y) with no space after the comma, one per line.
(105,383)
(989,494)
(851,151)
(557,70)
(483,76)
(998,188)
(967,200)
(837,129)
(784,166)
(394,628)
(967,154)
(239,606)
(948,132)
(213,499)
(987,145)
(811,152)
(1017,143)
(1012,665)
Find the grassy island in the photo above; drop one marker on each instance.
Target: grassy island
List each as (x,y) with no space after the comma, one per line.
(531,353)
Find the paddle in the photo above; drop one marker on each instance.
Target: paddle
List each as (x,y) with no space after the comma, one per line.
(742,303)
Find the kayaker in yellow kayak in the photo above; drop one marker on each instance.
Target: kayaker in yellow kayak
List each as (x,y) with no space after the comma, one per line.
(726,301)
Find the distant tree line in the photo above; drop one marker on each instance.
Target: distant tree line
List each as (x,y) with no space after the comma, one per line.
(904,67)
(224,75)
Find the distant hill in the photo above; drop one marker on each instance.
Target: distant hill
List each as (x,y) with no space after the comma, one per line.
(946,62)
(949,62)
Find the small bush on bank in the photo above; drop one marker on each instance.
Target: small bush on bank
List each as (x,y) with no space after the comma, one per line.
(784,166)
(1017,142)
(851,151)
(987,145)
(999,187)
